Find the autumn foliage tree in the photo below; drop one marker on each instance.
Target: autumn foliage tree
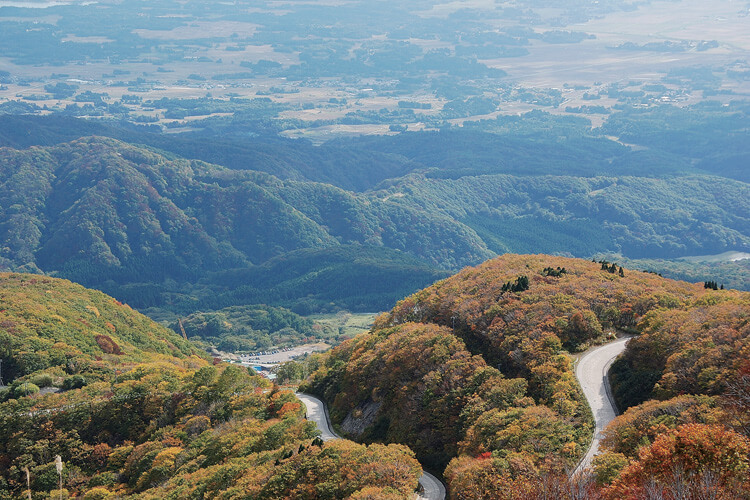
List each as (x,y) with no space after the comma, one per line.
(687,461)
(154,420)
(519,436)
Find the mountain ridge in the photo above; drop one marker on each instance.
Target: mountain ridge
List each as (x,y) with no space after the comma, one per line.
(133,410)
(111,210)
(475,373)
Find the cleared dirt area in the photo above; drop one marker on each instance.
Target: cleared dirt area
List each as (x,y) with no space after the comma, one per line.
(723,20)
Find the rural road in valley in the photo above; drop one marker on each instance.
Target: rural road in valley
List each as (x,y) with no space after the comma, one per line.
(591,372)
(316,411)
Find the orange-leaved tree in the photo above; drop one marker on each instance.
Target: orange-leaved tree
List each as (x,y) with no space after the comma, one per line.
(688,460)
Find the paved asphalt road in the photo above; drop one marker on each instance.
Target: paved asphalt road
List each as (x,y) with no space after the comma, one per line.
(591,372)
(316,411)
(433,488)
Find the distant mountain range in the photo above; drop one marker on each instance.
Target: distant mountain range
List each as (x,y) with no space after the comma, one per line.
(99,210)
(158,230)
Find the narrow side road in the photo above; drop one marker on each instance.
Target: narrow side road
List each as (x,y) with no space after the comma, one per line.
(317,412)
(591,372)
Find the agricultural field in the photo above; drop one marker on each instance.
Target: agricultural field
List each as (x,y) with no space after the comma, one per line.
(340,69)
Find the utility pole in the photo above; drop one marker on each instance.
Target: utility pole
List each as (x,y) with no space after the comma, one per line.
(28,481)
(59,467)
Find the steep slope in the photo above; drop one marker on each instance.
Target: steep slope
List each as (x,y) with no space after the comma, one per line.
(701,349)
(634,216)
(685,382)
(147,226)
(165,206)
(50,324)
(103,205)
(430,487)
(473,371)
(135,412)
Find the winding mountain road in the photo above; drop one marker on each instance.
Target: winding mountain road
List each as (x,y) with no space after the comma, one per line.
(317,412)
(591,372)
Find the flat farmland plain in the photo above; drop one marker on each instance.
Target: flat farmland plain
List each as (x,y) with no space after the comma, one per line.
(341,80)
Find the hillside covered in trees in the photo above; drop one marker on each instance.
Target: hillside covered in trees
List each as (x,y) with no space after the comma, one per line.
(159,231)
(147,227)
(134,411)
(475,373)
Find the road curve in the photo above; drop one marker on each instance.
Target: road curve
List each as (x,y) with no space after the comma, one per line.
(317,412)
(432,487)
(591,372)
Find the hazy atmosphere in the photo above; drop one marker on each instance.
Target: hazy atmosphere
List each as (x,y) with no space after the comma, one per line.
(441,220)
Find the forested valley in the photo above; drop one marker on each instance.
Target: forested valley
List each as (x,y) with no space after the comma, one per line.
(461,201)
(390,214)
